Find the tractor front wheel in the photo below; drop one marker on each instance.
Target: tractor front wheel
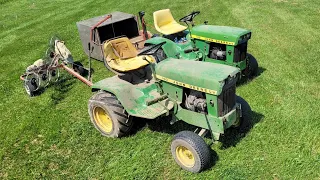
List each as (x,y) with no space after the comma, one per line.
(190,151)
(253,66)
(108,115)
(244,123)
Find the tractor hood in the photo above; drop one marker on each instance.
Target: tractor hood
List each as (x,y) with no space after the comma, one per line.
(221,34)
(202,76)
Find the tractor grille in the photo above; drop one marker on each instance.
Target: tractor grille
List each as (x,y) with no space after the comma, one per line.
(240,52)
(227,99)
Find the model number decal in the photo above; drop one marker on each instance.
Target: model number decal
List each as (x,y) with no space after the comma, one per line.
(205,90)
(212,40)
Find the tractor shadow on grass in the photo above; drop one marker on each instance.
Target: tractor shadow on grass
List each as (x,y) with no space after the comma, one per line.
(61,87)
(244,80)
(232,136)
(260,71)
(230,139)
(160,125)
(163,125)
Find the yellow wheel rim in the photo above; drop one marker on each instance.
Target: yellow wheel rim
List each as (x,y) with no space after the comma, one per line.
(185,156)
(102,119)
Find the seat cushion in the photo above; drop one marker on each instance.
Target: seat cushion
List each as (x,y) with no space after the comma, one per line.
(123,50)
(128,64)
(171,28)
(121,56)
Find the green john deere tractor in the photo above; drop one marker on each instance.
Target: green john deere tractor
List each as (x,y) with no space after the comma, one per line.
(199,93)
(208,43)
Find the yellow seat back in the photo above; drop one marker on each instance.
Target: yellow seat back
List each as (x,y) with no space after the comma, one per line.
(123,48)
(121,56)
(108,51)
(165,23)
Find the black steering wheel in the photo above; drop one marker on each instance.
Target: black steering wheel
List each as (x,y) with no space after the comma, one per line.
(189,17)
(152,50)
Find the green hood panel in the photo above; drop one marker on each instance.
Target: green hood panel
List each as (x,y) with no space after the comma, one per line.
(134,97)
(203,75)
(222,33)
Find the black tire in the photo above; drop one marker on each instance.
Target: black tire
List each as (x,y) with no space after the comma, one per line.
(190,152)
(30,87)
(245,123)
(253,66)
(159,55)
(103,102)
(78,67)
(53,73)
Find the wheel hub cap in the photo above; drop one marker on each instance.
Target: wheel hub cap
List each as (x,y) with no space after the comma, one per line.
(185,156)
(102,119)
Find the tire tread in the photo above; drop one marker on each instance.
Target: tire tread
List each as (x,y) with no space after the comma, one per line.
(117,110)
(199,146)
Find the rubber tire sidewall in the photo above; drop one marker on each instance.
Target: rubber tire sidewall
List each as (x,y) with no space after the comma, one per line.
(253,66)
(115,125)
(182,138)
(246,119)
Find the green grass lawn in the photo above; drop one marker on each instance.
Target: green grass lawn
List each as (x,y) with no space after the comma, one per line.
(50,136)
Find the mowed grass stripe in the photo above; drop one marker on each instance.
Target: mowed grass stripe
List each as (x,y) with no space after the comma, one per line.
(50,136)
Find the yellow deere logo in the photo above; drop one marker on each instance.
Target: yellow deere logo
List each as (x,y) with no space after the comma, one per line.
(208,91)
(212,40)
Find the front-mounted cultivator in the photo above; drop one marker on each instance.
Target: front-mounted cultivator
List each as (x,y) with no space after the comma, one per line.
(199,93)
(47,70)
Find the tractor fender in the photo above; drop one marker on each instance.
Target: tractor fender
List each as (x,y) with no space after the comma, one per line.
(132,97)
(121,89)
(170,48)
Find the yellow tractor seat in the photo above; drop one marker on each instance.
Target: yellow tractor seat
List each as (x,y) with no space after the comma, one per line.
(165,24)
(121,55)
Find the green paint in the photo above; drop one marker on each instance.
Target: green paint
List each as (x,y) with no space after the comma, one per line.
(200,120)
(173,77)
(174,91)
(181,71)
(223,33)
(212,104)
(202,36)
(134,98)
(200,74)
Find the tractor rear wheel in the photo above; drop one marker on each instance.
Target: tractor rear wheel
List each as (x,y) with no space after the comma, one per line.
(108,115)
(245,122)
(190,151)
(253,66)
